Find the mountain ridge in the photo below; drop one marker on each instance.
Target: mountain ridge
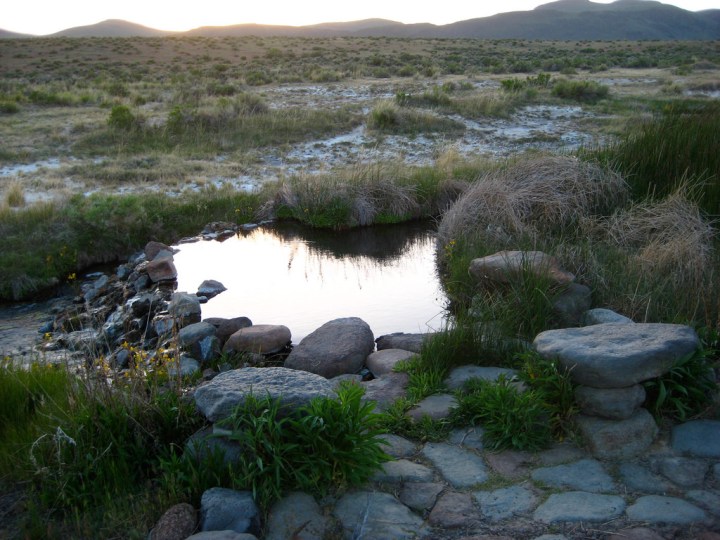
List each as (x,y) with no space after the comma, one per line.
(558,20)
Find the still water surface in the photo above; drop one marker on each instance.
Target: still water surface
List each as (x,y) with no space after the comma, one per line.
(300,277)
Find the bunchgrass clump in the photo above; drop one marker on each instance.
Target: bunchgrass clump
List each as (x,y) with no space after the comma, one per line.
(15,195)
(390,118)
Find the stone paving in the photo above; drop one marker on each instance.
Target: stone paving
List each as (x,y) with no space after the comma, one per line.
(458,490)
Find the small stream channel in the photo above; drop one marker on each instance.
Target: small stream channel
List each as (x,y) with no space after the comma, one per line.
(289,274)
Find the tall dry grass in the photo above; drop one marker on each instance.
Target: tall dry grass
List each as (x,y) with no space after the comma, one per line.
(532,198)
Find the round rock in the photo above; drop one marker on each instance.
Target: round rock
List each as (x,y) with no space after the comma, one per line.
(217,399)
(261,338)
(617,355)
(505,266)
(384,361)
(337,347)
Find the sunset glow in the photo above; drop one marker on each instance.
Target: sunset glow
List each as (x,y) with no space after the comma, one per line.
(42,17)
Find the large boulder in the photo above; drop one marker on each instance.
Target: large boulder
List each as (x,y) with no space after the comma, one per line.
(155,249)
(261,338)
(210,288)
(617,355)
(217,399)
(177,523)
(337,347)
(505,266)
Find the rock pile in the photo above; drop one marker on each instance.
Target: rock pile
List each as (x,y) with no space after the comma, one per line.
(609,361)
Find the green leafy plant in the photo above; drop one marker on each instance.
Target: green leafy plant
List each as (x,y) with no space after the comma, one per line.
(554,383)
(510,417)
(687,389)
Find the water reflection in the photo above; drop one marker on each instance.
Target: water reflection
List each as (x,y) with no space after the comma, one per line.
(288,274)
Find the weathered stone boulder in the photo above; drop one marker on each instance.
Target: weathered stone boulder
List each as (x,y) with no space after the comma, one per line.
(400,340)
(612,403)
(462,374)
(505,266)
(210,288)
(571,303)
(192,333)
(227,327)
(617,355)
(184,308)
(153,249)
(224,509)
(384,361)
(337,347)
(386,389)
(161,269)
(186,367)
(602,316)
(261,338)
(293,388)
(618,439)
(177,523)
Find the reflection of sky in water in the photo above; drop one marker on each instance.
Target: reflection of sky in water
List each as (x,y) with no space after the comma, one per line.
(296,282)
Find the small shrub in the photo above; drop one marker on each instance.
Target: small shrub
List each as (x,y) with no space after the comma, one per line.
(9,107)
(121,118)
(585,91)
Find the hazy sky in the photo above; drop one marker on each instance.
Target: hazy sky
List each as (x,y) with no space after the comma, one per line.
(48,16)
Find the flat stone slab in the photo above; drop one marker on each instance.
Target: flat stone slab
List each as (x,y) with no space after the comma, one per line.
(707,500)
(698,438)
(217,399)
(296,512)
(618,439)
(506,502)
(659,509)
(460,375)
(617,355)
(580,506)
(380,516)
(403,470)
(584,475)
(683,471)
(471,437)
(461,468)
(420,496)
(398,447)
(435,407)
(386,389)
(638,478)
(454,510)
